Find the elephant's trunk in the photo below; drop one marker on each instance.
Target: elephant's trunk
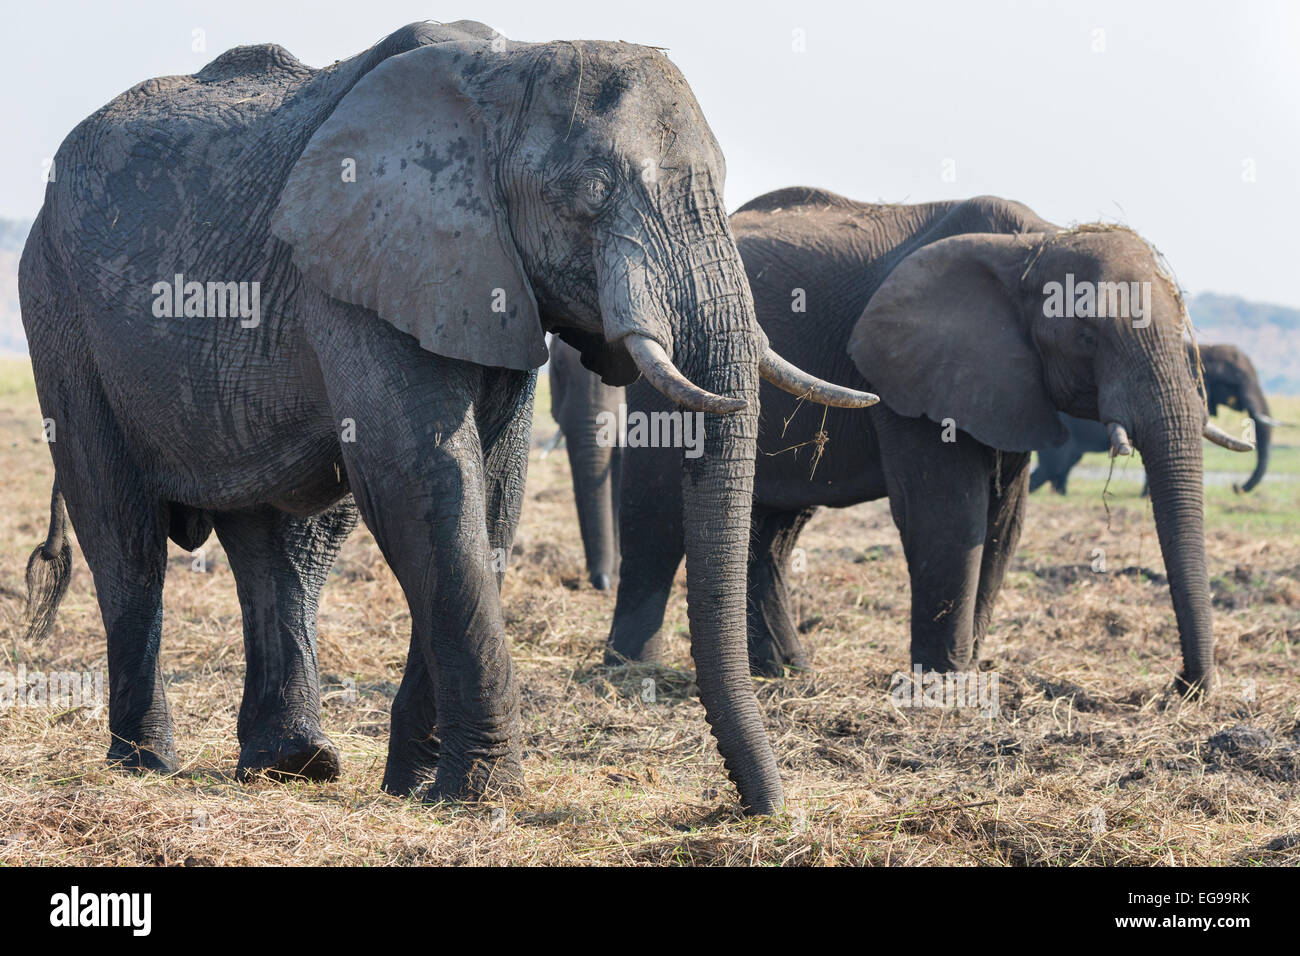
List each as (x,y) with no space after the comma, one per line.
(1170,443)
(592,465)
(1257,410)
(674,290)
(717,491)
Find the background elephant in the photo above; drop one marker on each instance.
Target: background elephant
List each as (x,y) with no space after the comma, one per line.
(577,398)
(942,308)
(398,231)
(1230,379)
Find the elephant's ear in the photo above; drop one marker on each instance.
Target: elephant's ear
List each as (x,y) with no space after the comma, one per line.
(394,206)
(944,338)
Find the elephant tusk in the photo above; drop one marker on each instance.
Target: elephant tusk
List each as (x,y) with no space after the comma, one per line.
(1119,441)
(796,381)
(1270,421)
(660,372)
(556,441)
(1217,435)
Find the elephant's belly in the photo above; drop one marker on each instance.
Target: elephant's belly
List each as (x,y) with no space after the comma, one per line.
(795,471)
(219,422)
(298,475)
(801,482)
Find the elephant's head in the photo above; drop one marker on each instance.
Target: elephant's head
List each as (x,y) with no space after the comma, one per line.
(506,189)
(999,332)
(1231,380)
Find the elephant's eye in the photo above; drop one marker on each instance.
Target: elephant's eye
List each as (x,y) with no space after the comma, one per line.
(595,188)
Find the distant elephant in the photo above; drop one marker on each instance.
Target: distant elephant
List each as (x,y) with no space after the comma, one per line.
(256,289)
(1054,464)
(578,399)
(1230,379)
(950,311)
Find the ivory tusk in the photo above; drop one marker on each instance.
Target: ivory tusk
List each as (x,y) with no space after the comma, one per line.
(1217,435)
(660,372)
(1119,441)
(796,381)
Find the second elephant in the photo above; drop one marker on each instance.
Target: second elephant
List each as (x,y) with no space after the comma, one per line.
(941,308)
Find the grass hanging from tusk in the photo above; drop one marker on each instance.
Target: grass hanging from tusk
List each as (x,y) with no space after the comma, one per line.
(1106,493)
(818,441)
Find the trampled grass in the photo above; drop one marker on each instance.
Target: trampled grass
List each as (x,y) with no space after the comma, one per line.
(1091,759)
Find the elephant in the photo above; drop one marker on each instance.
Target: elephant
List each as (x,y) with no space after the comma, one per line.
(1230,379)
(951,311)
(269,300)
(578,399)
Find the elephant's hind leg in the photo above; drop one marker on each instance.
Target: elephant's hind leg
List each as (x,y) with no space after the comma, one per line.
(773,638)
(122,528)
(280,563)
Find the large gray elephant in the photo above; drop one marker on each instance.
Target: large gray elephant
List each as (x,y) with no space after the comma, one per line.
(578,400)
(1230,379)
(256,289)
(954,312)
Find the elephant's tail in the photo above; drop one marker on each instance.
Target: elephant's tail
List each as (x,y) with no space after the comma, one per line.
(48,571)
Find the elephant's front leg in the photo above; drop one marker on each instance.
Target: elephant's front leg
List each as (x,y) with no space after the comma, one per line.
(432,528)
(280,563)
(410,439)
(414,745)
(939,497)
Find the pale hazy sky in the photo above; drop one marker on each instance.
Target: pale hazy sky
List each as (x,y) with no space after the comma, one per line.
(1151,113)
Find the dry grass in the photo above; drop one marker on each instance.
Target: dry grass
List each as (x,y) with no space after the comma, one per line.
(1091,761)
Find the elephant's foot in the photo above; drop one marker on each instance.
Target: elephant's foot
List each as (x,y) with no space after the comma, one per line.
(158,756)
(412,762)
(476,778)
(945,665)
(602,582)
(619,652)
(771,658)
(1194,688)
(310,756)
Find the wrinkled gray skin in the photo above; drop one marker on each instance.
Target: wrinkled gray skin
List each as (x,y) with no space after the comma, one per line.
(1230,379)
(501,190)
(938,307)
(578,397)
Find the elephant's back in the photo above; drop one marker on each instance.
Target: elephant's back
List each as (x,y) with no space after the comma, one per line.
(160,173)
(181,174)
